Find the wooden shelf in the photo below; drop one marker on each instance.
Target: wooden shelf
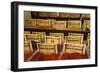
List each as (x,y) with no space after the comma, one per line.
(31,28)
(63,18)
(47,15)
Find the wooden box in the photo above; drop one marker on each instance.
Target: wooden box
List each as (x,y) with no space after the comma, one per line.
(53,14)
(41,36)
(74,39)
(43,23)
(72,48)
(59,25)
(30,22)
(33,37)
(74,15)
(52,40)
(64,15)
(47,48)
(86,24)
(58,35)
(43,14)
(85,15)
(74,25)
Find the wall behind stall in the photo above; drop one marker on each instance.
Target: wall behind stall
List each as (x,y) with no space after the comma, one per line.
(5,27)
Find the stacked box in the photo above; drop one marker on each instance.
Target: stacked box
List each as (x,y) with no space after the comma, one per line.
(25,33)
(43,23)
(59,25)
(85,15)
(34,22)
(65,15)
(74,43)
(75,34)
(41,36)
(53,14)
(47,48)
(35,14)
(74,48)
(58,35)
(27,22)
(74,15)
(86,25)
(75,39)
(53,40)
(74,25)
(30,22)
(33,37)
(43,14)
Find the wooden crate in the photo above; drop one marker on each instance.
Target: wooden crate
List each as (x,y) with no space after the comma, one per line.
(52,40)
(74,25)
(59,25)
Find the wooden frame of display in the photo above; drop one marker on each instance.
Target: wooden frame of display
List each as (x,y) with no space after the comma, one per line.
(17,8)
